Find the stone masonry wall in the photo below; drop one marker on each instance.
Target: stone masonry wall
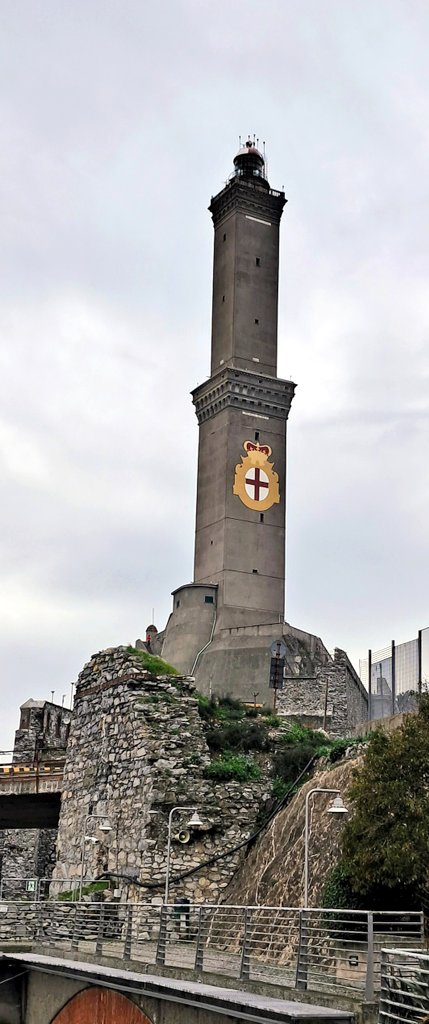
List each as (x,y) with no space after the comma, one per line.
(303,700)
(42,735)
(136,750)
(28,853)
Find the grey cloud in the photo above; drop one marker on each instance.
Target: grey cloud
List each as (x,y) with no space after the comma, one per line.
(119,121)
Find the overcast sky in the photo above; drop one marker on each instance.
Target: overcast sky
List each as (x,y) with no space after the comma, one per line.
(119,120)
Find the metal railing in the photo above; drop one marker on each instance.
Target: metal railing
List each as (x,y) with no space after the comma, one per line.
(32,889)
(404,996)
(317,949)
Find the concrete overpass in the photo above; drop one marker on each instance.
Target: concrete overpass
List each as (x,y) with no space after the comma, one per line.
(30,795)
(35,989)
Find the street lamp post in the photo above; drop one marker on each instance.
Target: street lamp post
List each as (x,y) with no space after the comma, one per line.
(194,822)
(102,828)
(337,807)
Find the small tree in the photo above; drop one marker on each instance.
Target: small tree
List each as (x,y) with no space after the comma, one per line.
(386,839)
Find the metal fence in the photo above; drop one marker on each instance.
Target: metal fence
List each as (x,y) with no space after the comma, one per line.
(404,995)
(31,889)
(395,675)
(319,950)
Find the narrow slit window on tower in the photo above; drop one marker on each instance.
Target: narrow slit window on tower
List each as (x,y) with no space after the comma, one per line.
(255,571)
(224,238)
(258,261)
(256,320)
(223,298)
(261,517)
(256,435)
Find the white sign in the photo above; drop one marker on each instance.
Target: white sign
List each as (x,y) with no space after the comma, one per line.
(278,649)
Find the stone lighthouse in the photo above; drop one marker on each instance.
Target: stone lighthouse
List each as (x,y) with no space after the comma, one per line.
(243,408)
(242,411)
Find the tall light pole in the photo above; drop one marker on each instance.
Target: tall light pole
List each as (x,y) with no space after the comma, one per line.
(102,828)
(337,807)
(194,822)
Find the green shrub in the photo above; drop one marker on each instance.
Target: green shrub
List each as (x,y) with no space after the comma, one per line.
(280,788)
(385,842)
(232,766)
(273,721)
(338,748)
(231,703)
(301,734)
(152,663)
(289,761)
(73,895)
(337,891)
(219,709)
(205,707)
(241,735)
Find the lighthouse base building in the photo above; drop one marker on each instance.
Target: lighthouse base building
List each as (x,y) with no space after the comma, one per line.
(223,625)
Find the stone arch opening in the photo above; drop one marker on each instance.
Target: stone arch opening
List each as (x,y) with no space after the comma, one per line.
(100,1006)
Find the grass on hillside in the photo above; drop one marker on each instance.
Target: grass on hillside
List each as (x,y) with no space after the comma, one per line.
(152,663)
(73,895)
(233,729)
(230,767)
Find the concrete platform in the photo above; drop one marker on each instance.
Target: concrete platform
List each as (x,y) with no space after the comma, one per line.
(154,991)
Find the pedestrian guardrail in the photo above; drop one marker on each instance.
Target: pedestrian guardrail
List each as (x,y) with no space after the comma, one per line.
(32,889)
(318,949)
(404,994)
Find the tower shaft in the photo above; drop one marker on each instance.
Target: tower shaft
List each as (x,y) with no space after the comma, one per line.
(243,407)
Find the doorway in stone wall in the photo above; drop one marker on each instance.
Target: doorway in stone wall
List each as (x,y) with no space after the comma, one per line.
(100,1006)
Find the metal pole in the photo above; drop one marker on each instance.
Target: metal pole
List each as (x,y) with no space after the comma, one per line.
(307,799)
(180,807)
(370,685)
(82,861)
(393,677)
(369,980)
(325,710)
(167,868)
(419,661)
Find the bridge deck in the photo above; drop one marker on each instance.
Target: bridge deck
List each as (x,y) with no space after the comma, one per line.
(248,1006)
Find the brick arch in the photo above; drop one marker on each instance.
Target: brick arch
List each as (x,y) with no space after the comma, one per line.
(100,1006)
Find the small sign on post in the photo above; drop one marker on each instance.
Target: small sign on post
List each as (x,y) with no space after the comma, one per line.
(276,673)
(31,885)
(277,667)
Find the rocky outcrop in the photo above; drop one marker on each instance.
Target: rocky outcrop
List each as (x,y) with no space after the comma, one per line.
(273,872)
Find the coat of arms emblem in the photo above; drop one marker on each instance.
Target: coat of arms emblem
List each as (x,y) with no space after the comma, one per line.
(255,482)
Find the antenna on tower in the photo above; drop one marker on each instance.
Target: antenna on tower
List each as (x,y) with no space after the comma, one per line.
(257,143)
(239,141)
(265,160)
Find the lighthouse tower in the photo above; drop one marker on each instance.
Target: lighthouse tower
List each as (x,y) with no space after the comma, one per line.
(243,408)
(242,411)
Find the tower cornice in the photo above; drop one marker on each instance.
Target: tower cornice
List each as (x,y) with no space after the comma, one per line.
(246,195)
(242,389)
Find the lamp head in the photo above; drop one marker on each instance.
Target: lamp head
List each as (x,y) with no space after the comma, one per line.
(195,821)
(337,806)
(105,827)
